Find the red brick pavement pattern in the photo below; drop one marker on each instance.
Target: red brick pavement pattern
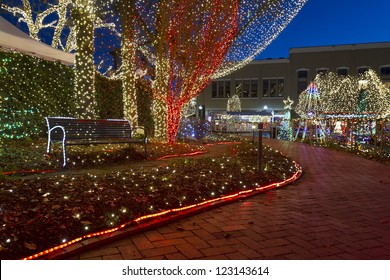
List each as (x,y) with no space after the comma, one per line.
(339,209)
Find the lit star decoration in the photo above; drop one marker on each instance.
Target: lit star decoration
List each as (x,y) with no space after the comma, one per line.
(288,103)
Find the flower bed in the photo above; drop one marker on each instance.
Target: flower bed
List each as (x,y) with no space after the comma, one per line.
(39,212)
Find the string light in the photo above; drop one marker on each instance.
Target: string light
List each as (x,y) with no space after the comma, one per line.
(166,32)
(238,195)
(34,24)
(332,94)
(216,194)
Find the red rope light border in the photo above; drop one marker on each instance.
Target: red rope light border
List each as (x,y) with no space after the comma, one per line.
(232,197)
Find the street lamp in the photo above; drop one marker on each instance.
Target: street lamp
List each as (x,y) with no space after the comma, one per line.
(200,111)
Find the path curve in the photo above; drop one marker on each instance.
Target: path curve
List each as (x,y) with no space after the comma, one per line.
(339,209)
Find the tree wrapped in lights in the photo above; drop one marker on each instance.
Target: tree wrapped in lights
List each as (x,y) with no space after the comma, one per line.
(84,86)
(286,132)
(342,95)
(373,96)
(177,41)
(34,23)
(35,14)
(234,102)
(190,42)
(128,52)
(260,22)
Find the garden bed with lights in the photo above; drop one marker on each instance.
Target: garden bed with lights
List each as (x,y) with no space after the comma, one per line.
(41,212)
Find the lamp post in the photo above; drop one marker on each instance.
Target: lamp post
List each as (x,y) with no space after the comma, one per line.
(200,111)
(259,147)
(253,133)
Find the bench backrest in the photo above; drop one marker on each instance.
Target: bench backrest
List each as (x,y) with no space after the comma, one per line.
(89,131)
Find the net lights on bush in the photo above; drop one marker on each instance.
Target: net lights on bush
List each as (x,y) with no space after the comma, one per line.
(32,88)
(193,207)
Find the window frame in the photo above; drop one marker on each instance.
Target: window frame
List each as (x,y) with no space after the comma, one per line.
(218,92)
(279,92)
(343,68)
(250,89)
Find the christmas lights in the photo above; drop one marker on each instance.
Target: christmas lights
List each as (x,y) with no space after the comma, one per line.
(26,15)
(168,32)
(286,132)
(114,198)
(234,104)
(228,35)
(332,94)
(205,203)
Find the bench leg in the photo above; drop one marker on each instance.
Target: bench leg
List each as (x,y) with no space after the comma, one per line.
(146,151)
(48,149)
(64,153)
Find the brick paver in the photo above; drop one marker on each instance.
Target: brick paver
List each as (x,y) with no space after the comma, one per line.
(338,209)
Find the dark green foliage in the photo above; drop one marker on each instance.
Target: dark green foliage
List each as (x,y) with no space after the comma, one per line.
(108,98)
(31,89)
(144,103)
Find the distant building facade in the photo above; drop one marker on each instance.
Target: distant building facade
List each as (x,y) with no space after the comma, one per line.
(266,83)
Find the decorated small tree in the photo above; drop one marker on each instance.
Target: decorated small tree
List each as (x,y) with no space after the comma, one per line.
(286,131)
(234,102)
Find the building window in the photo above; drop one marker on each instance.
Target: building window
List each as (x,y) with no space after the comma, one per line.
(273,87)
(227,89)
(302,86)
(254,86)
(303,76)
(247,88)
(322,70)
(214,89)
(220,89)
(385,70)
(362,69)
(342,71)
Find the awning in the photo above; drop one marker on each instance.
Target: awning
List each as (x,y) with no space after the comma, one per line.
(250,113)
(12,38)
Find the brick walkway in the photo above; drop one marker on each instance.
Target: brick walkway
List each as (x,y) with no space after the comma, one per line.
(339,209)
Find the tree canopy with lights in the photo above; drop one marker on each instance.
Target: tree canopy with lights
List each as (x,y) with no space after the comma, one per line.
(181,45)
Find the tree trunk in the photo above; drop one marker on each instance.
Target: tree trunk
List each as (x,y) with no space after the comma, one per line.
(128,51)
(84,65)
(173,122)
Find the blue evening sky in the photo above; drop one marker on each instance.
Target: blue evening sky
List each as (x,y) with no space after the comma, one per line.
(333,22)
